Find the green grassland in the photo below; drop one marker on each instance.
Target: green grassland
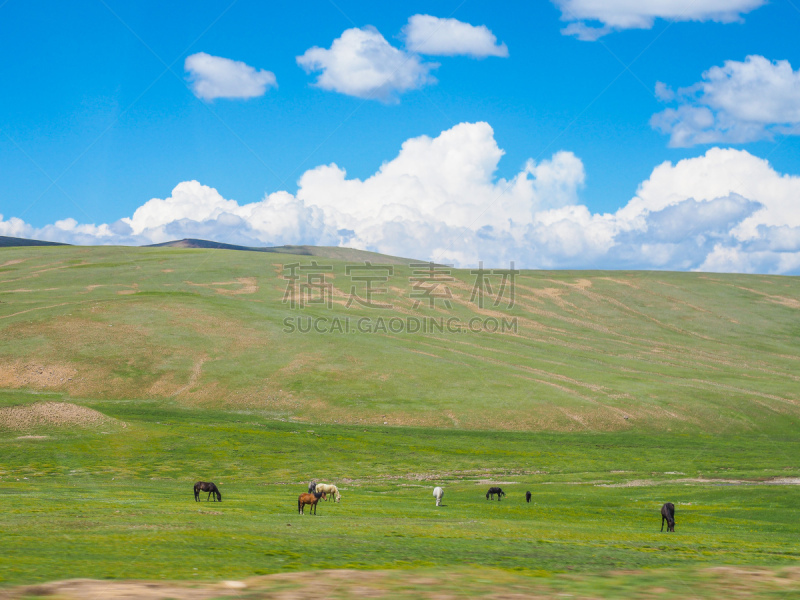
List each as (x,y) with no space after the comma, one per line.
(118,500)
(186,351)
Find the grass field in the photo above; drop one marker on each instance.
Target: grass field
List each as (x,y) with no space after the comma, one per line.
(118,500)
(185,352)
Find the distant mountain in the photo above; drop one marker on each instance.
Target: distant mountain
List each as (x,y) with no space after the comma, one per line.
(8,242)
(346,254)
(335,252)
(193,243)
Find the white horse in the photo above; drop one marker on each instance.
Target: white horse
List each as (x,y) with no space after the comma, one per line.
(330,490)
(438,493)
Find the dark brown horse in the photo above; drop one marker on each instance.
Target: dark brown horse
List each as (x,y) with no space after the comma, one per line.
(668,515)
(527,496)
(495,490)
(310,499)
(206,486)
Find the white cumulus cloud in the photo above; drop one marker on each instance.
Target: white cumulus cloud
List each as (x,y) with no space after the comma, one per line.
(362,63)
(735,103)
(439,199)
(425,34)
(591,19)
(217,77)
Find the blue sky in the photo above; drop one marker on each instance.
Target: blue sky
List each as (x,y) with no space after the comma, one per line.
(100,113)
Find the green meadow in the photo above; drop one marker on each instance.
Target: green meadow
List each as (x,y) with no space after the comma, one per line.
(615,393)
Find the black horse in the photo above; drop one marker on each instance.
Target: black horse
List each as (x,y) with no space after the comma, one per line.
(668,515)
(206,486)
(495,490)
(527,496)
(312,487)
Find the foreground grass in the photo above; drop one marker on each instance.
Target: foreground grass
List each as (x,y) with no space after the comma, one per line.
(116,502)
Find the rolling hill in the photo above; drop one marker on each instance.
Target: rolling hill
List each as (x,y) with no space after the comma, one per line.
(588,351)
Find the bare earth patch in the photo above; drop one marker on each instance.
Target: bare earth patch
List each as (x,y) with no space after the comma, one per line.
(92,589)
(493,482)
(782,300)
(15,261)
(19,374)
(704,480)
(51,414)
(247,285)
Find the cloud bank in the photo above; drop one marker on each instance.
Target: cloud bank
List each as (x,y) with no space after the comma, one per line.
(425,34)
(736,103)
(591,19)
(363,64)
(216,77)
(440,199)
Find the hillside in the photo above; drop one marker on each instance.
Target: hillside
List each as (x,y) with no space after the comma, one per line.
(594,351)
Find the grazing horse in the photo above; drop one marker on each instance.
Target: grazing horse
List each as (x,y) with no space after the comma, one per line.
(495,490)
(668,515)
(312,487)
(527,496)
(206,486)
(330,490)
(310,499)
(438,493)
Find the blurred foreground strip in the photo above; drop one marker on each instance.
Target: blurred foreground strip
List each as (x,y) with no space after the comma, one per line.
(715,582)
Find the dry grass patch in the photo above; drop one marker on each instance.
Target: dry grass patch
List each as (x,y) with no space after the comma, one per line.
(35,375)
(51,414)
(247,285)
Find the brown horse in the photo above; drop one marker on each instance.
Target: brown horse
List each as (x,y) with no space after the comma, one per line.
(668,515)
(206,486)
(310,499)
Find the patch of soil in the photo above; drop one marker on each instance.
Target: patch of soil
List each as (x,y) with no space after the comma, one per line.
(247,285)
(15,261)
(92,589)
(705,480)
(19,374)
(51,414)
(493,482)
